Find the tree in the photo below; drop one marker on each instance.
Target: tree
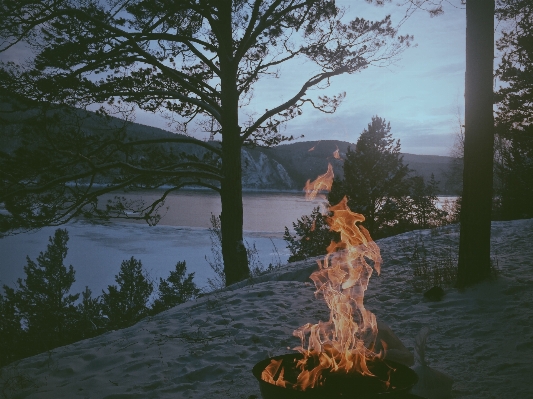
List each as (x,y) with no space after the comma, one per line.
(516,177)
(90,320)
(43,300)
(422,201)
(514,113)
(175,289)
(193,59)
(376,181)
(312,236)
(127,303)
(474,243)
(11,333)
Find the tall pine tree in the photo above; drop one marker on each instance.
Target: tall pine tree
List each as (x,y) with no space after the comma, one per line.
(375,179)
(43,300)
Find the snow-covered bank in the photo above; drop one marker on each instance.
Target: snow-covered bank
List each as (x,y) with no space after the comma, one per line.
(482,337)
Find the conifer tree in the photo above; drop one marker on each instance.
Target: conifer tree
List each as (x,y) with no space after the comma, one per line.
(42,298)
(127,303)
(311,238)
(11,333)
(514,112)
(90,321)
(175,289)
(423,199)
(375,179)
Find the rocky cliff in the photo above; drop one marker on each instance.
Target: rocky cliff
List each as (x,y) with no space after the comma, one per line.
(261,172)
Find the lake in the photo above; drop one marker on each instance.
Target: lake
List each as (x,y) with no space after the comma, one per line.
(263,211)
(97,250)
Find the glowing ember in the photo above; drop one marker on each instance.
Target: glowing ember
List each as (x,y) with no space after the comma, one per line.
(313,147)
(322,183)
(344,344)
(273,373)
(336,154)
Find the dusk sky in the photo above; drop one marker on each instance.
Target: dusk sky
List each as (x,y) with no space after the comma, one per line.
(420,95)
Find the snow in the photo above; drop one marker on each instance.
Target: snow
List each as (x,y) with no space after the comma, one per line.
(481,337)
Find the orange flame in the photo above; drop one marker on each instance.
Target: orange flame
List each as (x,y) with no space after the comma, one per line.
(345,343)
(313,147)
(273,374)
(336,154)
(322,183)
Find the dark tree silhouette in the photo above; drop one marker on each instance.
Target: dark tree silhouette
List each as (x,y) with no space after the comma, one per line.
(376,181)
(474,244)
(43,300)
(11,333)
(127,303)
(89,320)
(175,289)
(193,59)
(421,203)
(312,236)
(514,112)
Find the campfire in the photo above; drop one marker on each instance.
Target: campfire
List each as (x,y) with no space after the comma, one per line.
(336,358)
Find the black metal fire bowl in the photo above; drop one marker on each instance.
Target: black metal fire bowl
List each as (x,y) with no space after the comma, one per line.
(341,386)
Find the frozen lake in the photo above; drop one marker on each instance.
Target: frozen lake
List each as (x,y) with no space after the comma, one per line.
(96,251)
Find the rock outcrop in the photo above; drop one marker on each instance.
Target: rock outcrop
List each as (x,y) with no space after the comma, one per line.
(261,172)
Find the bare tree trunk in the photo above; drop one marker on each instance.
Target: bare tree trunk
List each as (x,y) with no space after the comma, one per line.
(233,249)
(474,244)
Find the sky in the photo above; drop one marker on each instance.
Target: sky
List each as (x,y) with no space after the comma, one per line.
(421,94)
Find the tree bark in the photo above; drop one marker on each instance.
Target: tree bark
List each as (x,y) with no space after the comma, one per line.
(233,249)
(474,243)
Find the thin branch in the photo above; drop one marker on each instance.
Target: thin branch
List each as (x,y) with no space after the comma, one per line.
(274,111)
(215,112)
(209,175)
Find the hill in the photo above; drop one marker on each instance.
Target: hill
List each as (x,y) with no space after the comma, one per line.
(284,167)
(306,160)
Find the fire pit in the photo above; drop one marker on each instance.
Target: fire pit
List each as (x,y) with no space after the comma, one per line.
(400,379)
(338,358)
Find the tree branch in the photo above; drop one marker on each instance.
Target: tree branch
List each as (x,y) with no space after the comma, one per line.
(274,111)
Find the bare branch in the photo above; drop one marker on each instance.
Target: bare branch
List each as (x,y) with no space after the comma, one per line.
(292,101)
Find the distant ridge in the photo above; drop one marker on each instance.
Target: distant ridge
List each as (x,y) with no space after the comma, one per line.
(284,167)
(308,159)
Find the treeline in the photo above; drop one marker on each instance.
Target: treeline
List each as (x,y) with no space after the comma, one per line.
(379,186)
(40,314)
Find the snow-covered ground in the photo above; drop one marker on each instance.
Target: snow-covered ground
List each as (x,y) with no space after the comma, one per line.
(481,337)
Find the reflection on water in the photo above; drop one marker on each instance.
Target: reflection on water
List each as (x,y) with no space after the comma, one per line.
(263,211)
